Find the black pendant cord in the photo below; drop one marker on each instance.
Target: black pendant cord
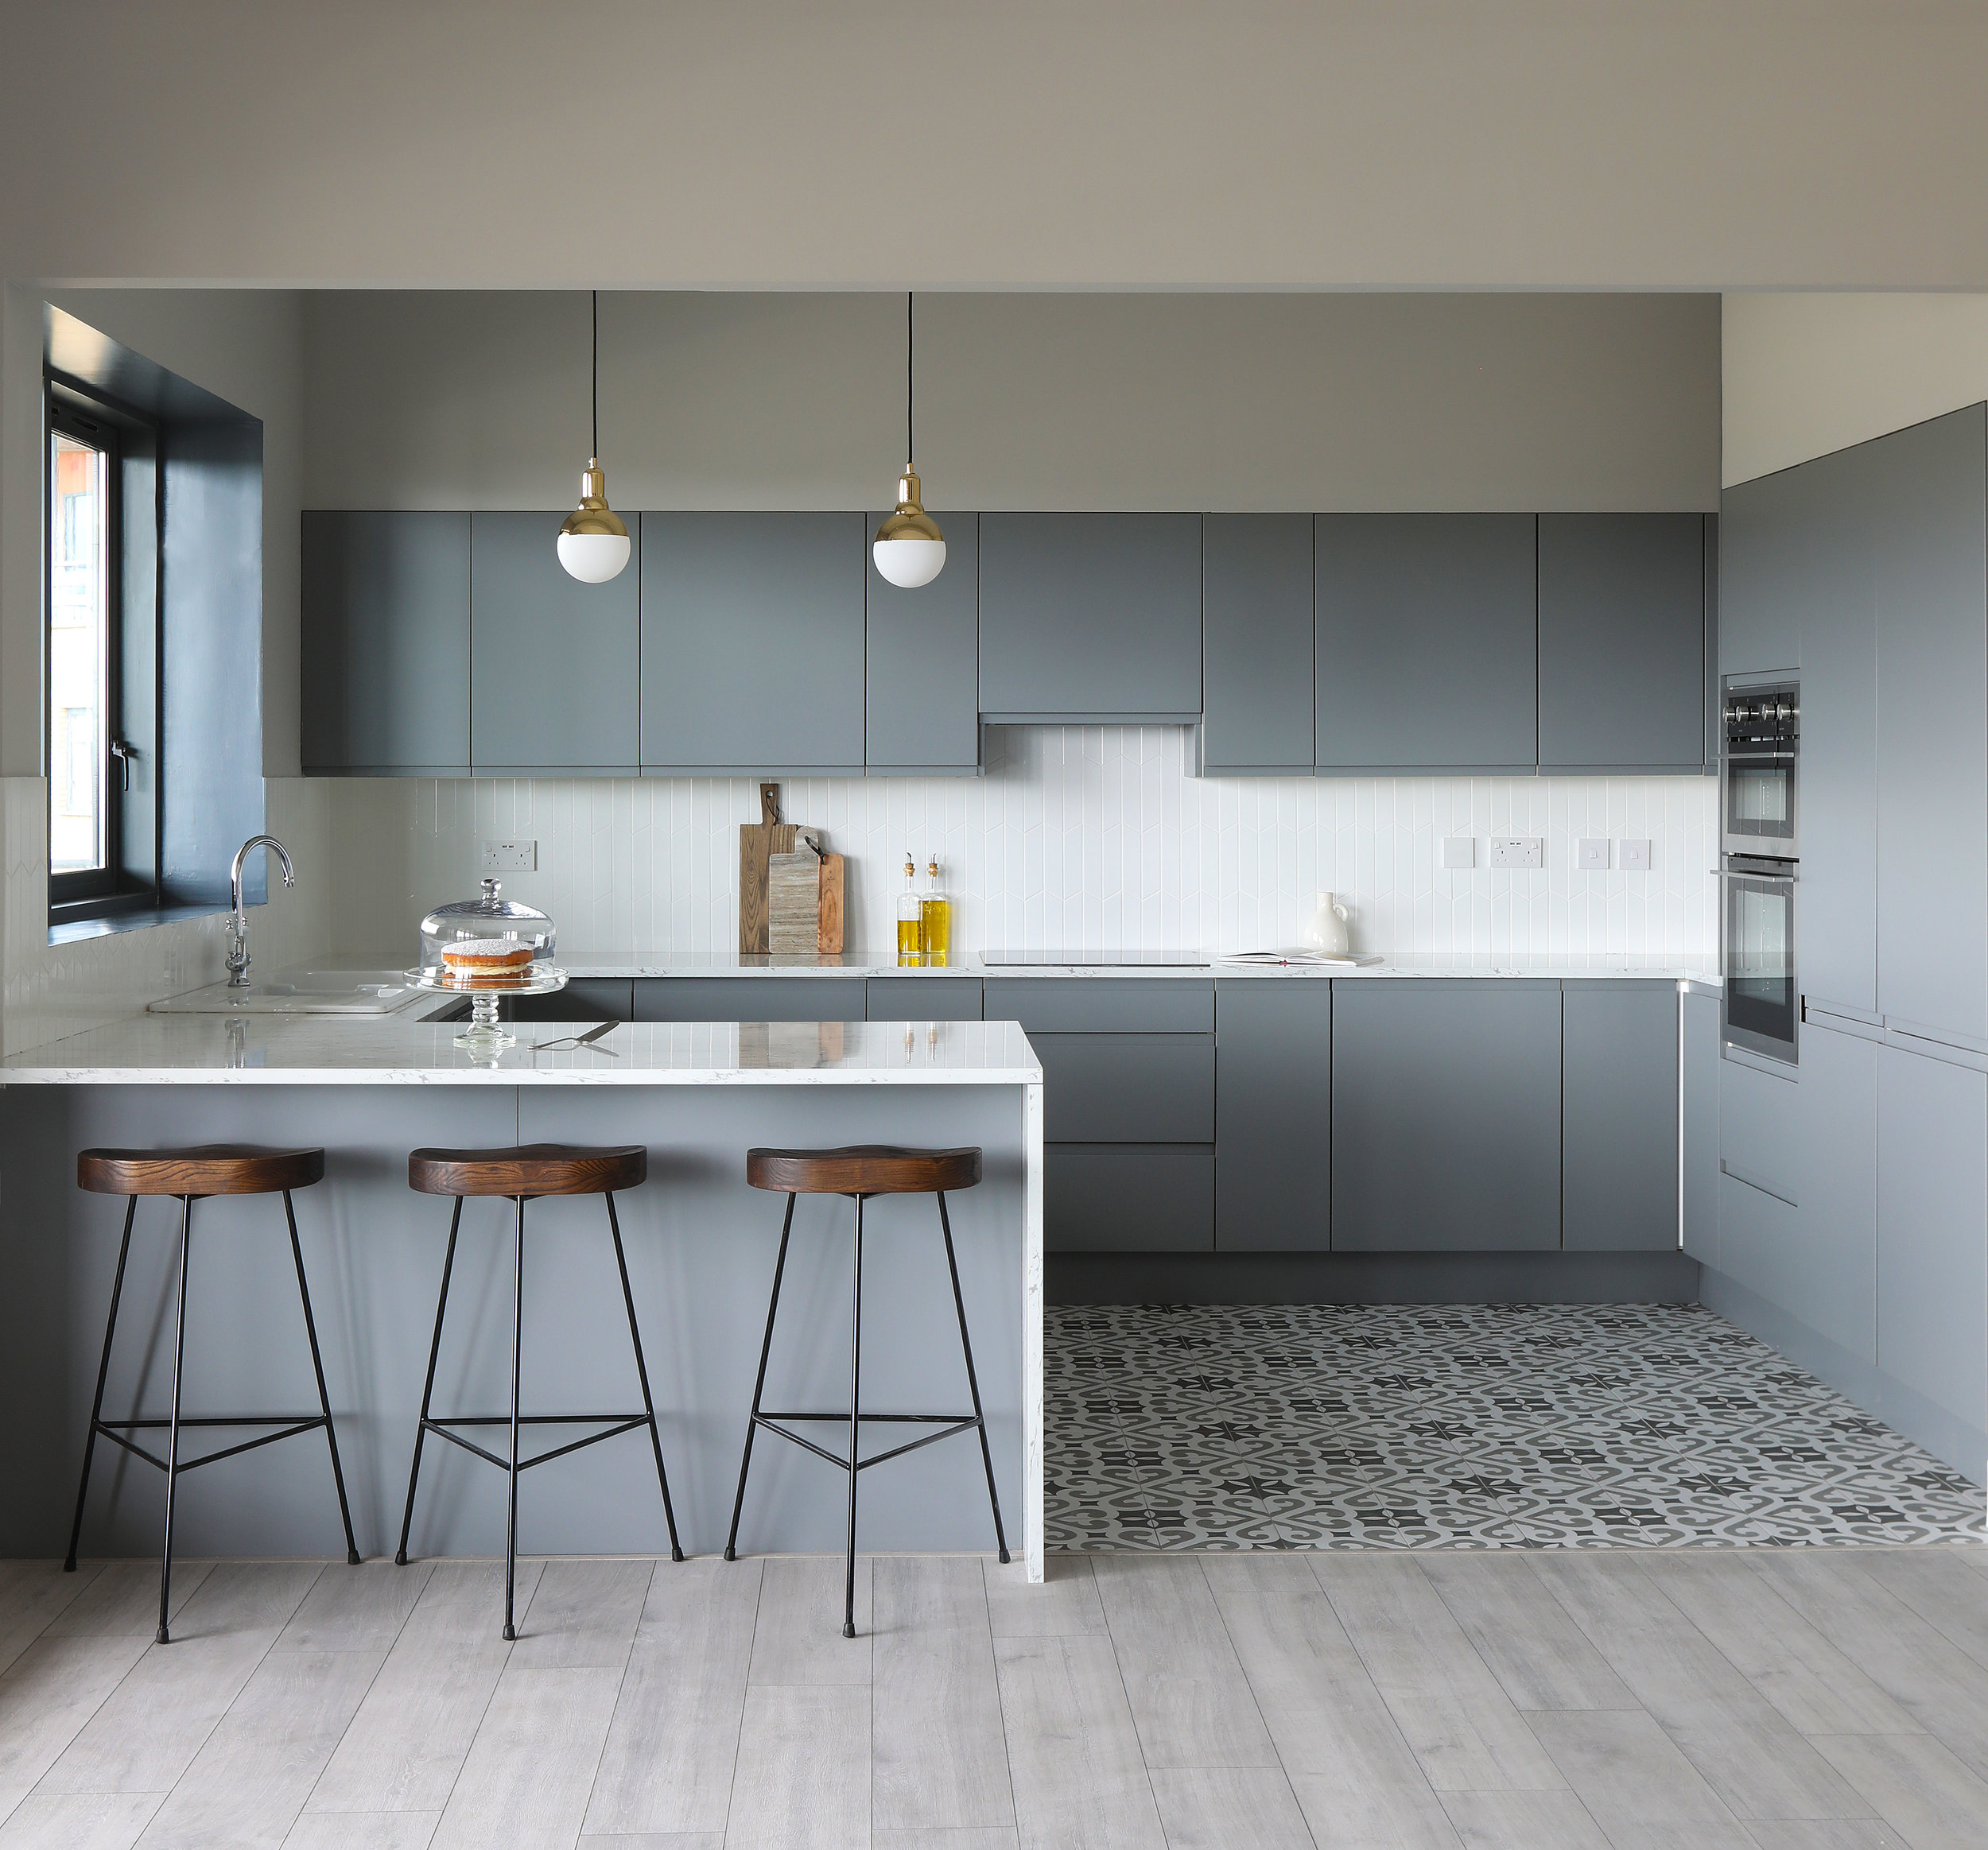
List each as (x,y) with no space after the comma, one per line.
(910,375)
(594,385)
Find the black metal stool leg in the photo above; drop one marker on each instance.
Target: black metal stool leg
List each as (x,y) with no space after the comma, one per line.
(973,1382)
(759,1385)
(173,1441)
(103,1370)
(517,1337)
(642,1375)
(317,1368)
(428,1387)
(856,1402)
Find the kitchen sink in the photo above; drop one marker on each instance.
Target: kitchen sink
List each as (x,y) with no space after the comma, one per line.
(300,991)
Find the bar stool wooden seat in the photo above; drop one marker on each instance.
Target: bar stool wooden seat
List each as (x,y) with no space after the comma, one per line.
(862,1171)
(523,1174)
(192,1175)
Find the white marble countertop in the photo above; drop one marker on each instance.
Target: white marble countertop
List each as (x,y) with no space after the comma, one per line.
(190,1049)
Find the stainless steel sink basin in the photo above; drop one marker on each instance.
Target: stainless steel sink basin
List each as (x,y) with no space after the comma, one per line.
(301,992)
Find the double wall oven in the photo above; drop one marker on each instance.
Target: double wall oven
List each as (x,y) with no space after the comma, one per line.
(1759,763)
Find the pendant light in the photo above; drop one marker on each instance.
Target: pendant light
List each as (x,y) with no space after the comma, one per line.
(593,540)
(909,548)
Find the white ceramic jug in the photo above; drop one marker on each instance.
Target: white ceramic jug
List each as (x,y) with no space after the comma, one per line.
(1326,930)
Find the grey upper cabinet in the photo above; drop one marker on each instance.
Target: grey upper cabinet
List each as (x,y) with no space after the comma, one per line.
(554,664)
(1700,1140)
(1273,1115)
(1427,642)
(1090,616)
(384,653)
(1621,642)
(921,707)
(1619,1176)
(1764,565)
(1256,592)
(1446,1116)
(752,657)
(1930,526)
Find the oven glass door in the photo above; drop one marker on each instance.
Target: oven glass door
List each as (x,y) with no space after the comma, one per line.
(1760,1004)
(1760,804)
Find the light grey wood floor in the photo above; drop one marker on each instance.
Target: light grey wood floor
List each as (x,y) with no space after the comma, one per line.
(1763,1699)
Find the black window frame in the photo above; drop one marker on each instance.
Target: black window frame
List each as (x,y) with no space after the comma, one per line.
(115,887)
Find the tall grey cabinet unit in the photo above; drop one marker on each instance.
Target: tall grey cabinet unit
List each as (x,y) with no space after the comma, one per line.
(1090,616)
(1257,595)
(1426,643)
(1273,1115)
(554,664)
(1622,643)
(752,657)
(1930,526)
(1763,563)
(1619,1125)
(1446,1116)
(384,654)
(920,701)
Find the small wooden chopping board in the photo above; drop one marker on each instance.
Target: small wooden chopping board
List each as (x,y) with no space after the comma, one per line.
(759,842)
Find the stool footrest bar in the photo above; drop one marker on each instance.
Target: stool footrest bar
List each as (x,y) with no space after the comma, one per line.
(961,1423)
(625,1423)
(104,1427)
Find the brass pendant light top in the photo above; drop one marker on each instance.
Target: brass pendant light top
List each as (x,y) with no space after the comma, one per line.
(909,548)
(594,515)
(593,539)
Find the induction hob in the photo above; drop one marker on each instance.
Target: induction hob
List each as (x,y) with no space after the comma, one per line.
(1098,960)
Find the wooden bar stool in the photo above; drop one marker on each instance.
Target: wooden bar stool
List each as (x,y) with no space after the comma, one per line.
(861,1171)
(521,1175)
(192,1175)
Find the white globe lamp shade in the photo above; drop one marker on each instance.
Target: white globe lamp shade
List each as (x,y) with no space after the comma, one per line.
(908,559)
(593,558)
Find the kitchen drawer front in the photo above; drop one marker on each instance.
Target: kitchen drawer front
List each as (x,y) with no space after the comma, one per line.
(1147,1198)
(1062,1005)
(924,999)
(750,998)
(1127,1088)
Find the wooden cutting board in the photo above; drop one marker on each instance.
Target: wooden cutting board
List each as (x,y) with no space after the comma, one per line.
(793,898)
(759,842)
(833,900)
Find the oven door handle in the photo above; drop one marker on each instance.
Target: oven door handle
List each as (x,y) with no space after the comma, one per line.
(1748,874)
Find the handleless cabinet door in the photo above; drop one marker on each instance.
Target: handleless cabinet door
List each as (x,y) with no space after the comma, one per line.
(1427,642)
(1445,1115)
(1273,1115)
(1091,615)
(750,999)
(1619,1164)
(385,646)
(924,999)
(752,643)
(1764,562)
(554,664)
(1932,593)
(1701,1067)
(1621,642)
(1833,1288)
(1256,589)
(921,697)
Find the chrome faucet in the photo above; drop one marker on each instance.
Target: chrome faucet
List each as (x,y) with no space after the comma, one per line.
(237,958)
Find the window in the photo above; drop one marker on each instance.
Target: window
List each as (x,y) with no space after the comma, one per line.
(87,757)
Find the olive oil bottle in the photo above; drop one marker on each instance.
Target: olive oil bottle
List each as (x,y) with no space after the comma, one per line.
(937,920)
(910,918)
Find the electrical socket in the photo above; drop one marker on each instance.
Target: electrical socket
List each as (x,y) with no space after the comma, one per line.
(1592,855)
(1518,850)
(1459,851)
(1633,853)
(510,857)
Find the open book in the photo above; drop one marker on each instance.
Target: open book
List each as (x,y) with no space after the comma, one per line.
(1298,955)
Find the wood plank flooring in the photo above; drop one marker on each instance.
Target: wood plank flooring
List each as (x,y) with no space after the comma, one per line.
(1574,1699)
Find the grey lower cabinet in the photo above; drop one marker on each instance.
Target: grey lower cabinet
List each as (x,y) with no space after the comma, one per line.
(1273,1115)
(1932,1231)
(1759,1129)
(1127,1088)
(1619,1119)
(1139,1198)
(1699,1144)
(1426,649)
(554,664)
(750,999)
(752,643)
(1445,1115)
(1931,569)
(1622,649)
(924,999)
(384,649)
(1832,1288)
(584,998)
(1256,597)
(1090,616)
(921,688)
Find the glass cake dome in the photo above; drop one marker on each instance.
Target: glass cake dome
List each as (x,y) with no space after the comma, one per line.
(490,940)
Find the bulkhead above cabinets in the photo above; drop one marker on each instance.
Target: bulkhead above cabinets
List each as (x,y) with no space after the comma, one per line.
(744,643)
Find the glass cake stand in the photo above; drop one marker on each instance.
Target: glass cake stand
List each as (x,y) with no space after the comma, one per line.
(486,1033)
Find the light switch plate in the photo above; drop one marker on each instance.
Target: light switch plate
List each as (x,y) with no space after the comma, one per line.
(1592,856)
(510,857)
(1633,853)
(1518,850)
(1459,851)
